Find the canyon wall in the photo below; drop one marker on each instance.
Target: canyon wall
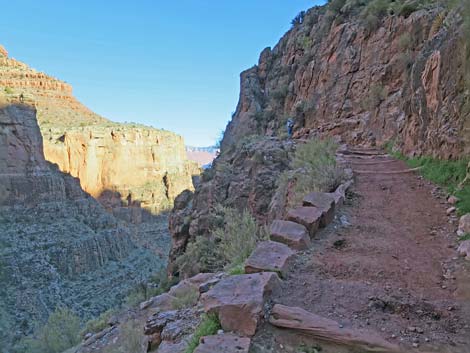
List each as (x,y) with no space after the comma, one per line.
(120,164)
(58,245)
(400,80)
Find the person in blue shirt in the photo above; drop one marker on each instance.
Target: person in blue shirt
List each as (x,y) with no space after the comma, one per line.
(290,127)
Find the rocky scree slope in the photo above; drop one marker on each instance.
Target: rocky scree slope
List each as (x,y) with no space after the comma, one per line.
(120,164)
(58,245)
(401,80)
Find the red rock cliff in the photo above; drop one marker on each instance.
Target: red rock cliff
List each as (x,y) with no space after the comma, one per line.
(120,164)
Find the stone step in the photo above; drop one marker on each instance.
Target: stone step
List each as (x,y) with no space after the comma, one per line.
(226,343)
(324,329)
(269,256)
(239,301)
(309,217)
(292,234)
(325,202)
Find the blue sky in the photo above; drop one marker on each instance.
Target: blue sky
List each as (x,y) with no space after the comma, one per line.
(170,64)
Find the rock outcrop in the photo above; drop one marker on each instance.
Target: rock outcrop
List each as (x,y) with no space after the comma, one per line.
(58,245)
(399,83)
(122,165)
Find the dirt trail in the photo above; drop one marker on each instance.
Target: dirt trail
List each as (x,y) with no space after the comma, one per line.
(388,264)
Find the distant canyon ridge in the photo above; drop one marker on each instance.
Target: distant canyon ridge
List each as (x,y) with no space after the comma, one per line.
(119,164)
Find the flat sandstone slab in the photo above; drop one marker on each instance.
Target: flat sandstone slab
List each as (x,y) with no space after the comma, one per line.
(292,234)
(239,301)
(307,216)
(226,343)
(328,330)
(325,202)
(269,256)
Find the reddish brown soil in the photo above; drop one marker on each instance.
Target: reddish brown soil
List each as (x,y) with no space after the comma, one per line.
(393,270)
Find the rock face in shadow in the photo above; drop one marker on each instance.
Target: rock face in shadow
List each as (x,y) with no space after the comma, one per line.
(121,164)
(58,245)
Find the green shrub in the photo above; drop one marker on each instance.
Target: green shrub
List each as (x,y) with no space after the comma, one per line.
(185,300)
(237,270)
(371,22)
(201,255)
(446,173)
(140,293)
(405,42)
(377,8)
(238,237)
(335,6)
(280,93)
(464,237)
(377,94)
(233,239)
(8,90)
(98,324)
(313,168)
(209,326)
(61,331)
(299,19)
(304,42)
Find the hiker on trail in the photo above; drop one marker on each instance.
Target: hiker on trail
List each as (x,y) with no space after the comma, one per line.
(21,98)
(290,127)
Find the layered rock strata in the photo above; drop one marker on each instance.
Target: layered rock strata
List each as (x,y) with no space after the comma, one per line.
(58,245)
(122,165)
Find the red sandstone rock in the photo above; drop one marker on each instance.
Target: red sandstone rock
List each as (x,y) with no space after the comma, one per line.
(307,216)
(328,330)
(225,343)
(323,201)
(269,256)
(239,301)
(290,233)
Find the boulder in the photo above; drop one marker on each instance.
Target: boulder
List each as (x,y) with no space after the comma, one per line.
(170,325)
(239,301)
(226,343)
(464,249)
(290,233)
(325,202)
(162,302)
(269,256)
(307,216)
(464,224)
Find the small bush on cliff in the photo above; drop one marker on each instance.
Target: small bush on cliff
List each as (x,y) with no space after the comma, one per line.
(299,19)
(231,242)
(186,299)
(377,94)
(313,168)
(201,255)
(209,326)
(98,324)
(8,90)
(61,332)
(238,236)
